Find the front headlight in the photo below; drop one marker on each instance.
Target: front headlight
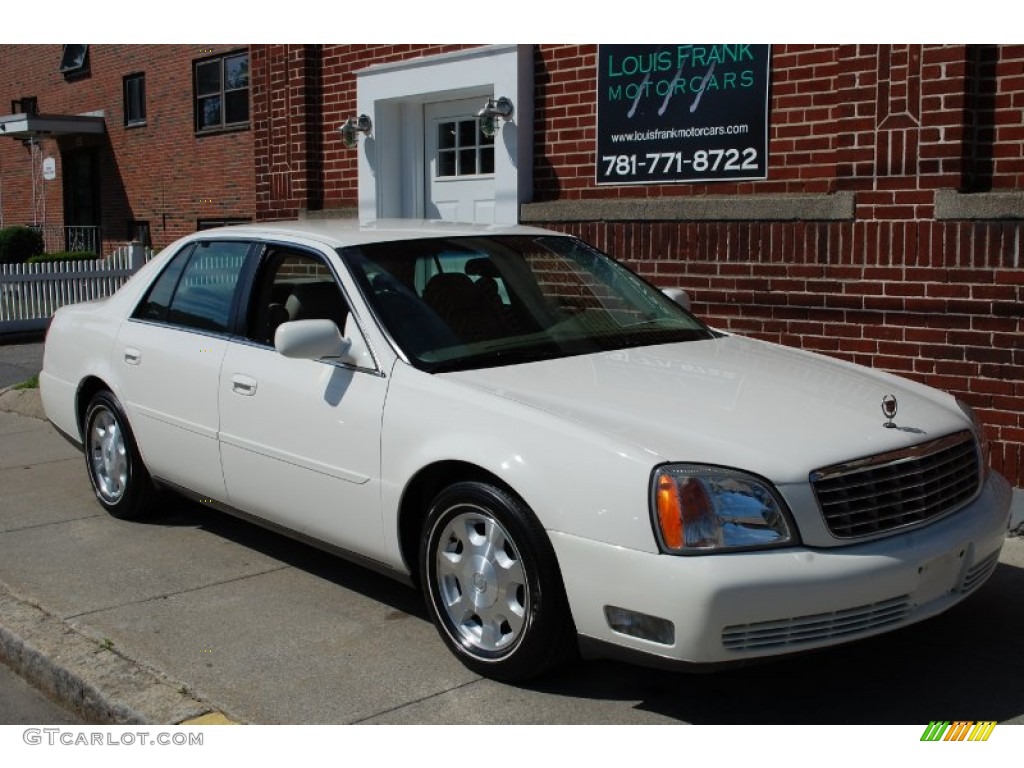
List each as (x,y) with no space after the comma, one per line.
(700,509)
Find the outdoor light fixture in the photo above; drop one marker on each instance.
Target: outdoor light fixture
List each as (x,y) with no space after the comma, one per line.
(353,127)
(491,111)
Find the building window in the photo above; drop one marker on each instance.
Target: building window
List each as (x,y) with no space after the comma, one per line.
(74,60)
(202,224)
(135,99)
(222,92)
(28,105)
(138,232)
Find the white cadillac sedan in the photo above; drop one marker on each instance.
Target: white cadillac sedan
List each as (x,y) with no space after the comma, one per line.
(559,455)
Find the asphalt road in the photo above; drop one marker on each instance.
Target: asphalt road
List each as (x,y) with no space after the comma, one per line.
(19,360)
(21,704)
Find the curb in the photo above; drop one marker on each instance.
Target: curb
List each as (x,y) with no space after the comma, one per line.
(82,672)
(88,675)
(76,668)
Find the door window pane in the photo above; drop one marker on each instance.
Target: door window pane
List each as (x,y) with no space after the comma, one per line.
(486,159)
(463,149)
(207,286)
(467,133)
(467,162)
(446,135)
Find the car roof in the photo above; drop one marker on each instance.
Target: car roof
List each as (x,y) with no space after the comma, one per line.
(339,233)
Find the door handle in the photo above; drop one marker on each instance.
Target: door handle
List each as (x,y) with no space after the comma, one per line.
(243,385)
(132,356)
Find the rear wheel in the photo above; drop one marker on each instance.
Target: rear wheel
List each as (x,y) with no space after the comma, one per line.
(492,584)
(118,476)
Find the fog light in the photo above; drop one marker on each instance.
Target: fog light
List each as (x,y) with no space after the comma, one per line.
(640,625)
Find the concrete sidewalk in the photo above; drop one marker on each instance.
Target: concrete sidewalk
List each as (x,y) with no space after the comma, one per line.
(87,603)
(195,614)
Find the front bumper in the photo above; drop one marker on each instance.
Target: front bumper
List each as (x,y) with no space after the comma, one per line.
(732,607)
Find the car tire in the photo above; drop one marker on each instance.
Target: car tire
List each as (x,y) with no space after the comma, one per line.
(118,476)
(492,585)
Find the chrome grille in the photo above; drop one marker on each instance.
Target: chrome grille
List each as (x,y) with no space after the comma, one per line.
(817,627)
(898,489)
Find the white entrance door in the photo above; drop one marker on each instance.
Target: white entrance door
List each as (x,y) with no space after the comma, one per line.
(459,163)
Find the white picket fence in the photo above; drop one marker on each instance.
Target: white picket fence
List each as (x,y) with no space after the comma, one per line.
(31,293)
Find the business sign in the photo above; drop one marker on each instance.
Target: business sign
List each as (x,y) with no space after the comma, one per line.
(682,113)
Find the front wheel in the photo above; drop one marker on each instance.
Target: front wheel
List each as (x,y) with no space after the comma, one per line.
(492,584)
(112,459)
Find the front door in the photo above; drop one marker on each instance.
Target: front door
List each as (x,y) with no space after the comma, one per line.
(300,439)
(459,163)
(81,200)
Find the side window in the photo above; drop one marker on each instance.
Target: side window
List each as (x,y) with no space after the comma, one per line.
(293,286)
(158,299)
(196,289)
(207,286)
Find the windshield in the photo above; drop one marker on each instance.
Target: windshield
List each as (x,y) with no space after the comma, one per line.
(473,302)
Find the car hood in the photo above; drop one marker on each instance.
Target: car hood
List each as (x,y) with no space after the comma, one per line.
(730,401)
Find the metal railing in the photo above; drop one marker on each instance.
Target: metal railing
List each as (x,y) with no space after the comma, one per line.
(73,238)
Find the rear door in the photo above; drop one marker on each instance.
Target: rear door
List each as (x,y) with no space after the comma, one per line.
(169,355)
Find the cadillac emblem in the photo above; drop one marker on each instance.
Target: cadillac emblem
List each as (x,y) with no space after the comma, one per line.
(889,408)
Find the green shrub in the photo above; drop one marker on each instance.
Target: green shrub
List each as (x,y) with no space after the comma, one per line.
(17,244)
(42,258)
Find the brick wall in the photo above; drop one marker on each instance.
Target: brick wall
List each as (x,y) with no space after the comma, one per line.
(937,299)
(301,95)
(162,172)
(900,283)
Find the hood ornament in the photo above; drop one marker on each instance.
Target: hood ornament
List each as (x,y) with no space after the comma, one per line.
(889,408)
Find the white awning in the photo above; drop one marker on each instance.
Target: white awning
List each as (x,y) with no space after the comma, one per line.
(29,126)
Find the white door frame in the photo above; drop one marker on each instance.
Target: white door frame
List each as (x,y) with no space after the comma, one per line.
(391,159)
(459,196)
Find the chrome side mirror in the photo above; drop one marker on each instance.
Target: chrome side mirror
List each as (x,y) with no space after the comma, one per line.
(310,340)
(679,296)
